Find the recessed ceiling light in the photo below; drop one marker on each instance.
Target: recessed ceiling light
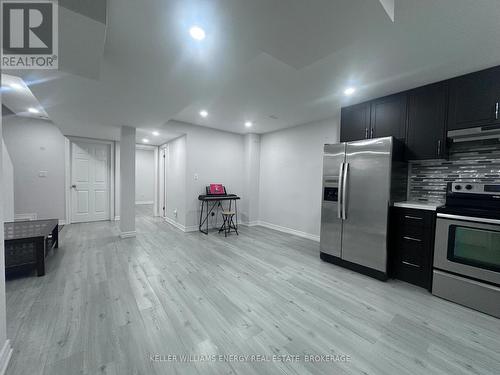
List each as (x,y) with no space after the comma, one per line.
(145,140)
(156,134)
(248,124)
(203,113)
(16,86)
(33,110)
(349,91)
(197,33)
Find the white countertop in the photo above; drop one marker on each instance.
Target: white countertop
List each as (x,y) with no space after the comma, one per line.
(430,206)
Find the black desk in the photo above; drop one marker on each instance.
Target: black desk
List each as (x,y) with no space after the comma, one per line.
(27,243)
(213,201)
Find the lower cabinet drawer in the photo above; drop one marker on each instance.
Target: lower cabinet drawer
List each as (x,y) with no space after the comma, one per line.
(412,273)
(412,255)
(411,246)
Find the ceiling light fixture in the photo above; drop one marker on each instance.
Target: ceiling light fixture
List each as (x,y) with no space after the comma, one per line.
(145,140)
(156,134)
(16,86)
(203,113)
(248,124)
(33,110)
(197,33)
(349,91)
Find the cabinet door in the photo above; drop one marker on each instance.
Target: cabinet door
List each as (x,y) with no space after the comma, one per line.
(355,122)
(474,100)
(426,138)
(388,117)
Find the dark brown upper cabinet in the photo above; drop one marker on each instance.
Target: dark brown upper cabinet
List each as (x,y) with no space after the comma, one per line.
(475,100)
(355,122)
(426,130)
(379,118)
(388,117)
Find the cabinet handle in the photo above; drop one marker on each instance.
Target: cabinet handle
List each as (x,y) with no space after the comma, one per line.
(412,239)
(439,148)
(371,133)
(496,110)
(410,264)
(366,133)
(413,217)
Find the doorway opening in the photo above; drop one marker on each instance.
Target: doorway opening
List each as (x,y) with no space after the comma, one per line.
(146,177)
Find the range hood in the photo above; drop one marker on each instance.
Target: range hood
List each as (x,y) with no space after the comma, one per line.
(475,134)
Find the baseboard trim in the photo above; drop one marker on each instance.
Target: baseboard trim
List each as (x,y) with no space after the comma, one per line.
(117,218)
(191,228)
(194,228)
(62,222)
(279,228)
(251,223)
(175,224)
(130,234)
(21,217)
(144,202)
(5,355)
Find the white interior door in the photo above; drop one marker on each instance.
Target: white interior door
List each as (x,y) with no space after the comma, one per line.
(90,167)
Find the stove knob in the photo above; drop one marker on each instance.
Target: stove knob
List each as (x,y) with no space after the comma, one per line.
(468,187)
(458,187)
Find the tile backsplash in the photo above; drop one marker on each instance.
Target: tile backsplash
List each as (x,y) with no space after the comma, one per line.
(475,161)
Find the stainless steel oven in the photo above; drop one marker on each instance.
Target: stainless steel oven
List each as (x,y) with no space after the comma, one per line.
(467,248)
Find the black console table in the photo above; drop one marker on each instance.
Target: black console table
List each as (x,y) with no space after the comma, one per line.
(209,202)
(27,243)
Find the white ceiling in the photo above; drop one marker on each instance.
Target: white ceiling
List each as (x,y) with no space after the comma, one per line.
(17,96)
(278,63)
(164,135)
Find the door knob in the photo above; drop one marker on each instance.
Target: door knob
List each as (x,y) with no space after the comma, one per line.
(73,186)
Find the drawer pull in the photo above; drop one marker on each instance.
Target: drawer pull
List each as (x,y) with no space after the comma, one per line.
(410,264)
(413,217)
(412,239)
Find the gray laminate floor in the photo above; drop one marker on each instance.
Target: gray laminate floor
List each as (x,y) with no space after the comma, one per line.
(108,306)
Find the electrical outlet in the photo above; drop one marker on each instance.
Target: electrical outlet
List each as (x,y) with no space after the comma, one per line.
(175,212)
(196,176)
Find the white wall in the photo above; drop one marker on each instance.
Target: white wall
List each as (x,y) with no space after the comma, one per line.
(144,176)
(8,185)
(251,182)
(291,165)
(213,157)
(34,146)
(5,349)
(175,161)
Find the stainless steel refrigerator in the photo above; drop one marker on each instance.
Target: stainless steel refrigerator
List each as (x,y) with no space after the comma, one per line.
(360,181)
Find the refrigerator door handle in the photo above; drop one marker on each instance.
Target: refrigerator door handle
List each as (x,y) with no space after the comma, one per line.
(339,203)
(344,191)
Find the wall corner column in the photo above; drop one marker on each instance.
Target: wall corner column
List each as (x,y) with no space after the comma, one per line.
(127,182)
(251,181)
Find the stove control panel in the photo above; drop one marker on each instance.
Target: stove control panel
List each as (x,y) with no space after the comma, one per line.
(475,188)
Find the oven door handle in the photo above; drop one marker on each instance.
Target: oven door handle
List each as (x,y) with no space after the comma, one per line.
(469,218)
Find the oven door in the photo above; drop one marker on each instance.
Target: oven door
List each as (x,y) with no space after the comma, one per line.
(468,246)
